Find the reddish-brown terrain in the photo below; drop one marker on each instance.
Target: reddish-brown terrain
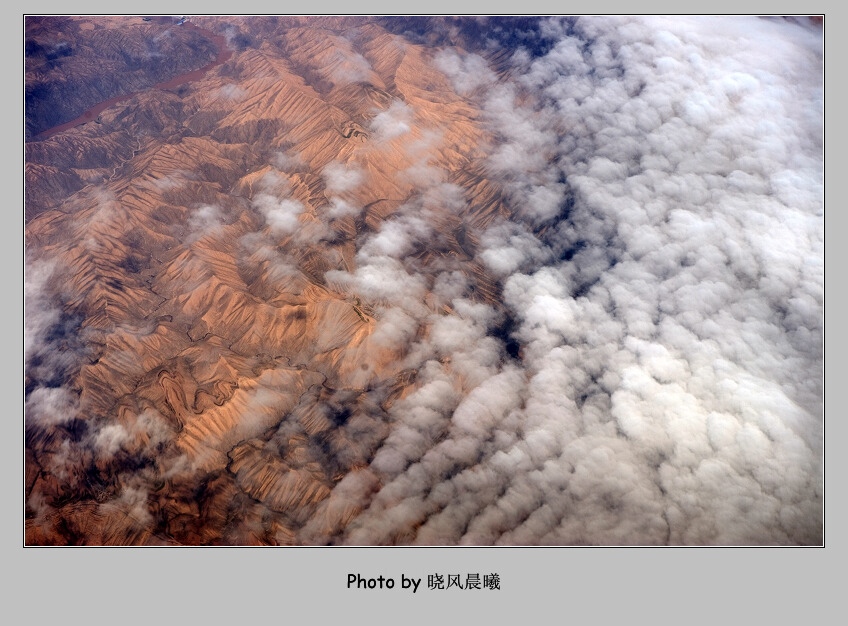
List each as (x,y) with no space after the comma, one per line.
(205,343)
(423,280)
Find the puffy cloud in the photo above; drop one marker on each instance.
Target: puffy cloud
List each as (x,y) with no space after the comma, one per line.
(393,122)
(508,246)
(40,314)
(466,72)
(55,344)
(51,405)
(383,279)
(347,66)
(649,369)
(288,161)
(149,429)
(669,314)
(204,221)
(395,328)
(341,178)
(342,208)
(397,238)
(281,214)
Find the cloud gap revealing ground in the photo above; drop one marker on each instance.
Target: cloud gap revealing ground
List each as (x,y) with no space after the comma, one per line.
(423,281)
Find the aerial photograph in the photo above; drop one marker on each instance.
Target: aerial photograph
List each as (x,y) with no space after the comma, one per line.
(423,280)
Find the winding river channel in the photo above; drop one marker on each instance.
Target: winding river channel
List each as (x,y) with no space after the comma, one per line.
(224,53)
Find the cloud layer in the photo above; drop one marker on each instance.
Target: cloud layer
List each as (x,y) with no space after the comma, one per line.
(664,271)
(627,352)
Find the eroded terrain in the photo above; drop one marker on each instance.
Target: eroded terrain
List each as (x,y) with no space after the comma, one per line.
(356,280)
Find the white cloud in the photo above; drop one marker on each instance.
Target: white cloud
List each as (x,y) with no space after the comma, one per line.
(281,214)
(393,122)
(649,370)
(466,72)
(670,320)
(341,178)
(51,405)
(204,221)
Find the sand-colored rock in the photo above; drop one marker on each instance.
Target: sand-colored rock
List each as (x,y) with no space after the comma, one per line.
(237,383)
